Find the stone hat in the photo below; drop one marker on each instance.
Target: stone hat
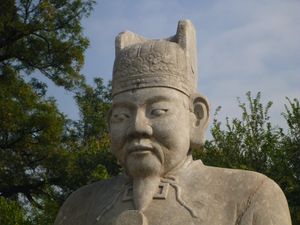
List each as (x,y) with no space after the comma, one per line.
(170,62)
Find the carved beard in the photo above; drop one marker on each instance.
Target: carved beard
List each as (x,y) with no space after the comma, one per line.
(145,171)
(143,191)
(145,168)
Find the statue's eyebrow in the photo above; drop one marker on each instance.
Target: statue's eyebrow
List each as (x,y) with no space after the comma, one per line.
(154,99)
(122,104)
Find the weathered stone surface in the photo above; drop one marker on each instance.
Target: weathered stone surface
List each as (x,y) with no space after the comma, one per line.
(131,217)
(156,117)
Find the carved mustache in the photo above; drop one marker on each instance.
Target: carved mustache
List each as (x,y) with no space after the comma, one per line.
(144,144)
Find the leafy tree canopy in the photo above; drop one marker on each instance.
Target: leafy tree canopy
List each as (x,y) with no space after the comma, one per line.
(30,136)
(43,155)
(44,35)
(11,213)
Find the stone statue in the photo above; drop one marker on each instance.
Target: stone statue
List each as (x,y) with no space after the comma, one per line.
(156,118)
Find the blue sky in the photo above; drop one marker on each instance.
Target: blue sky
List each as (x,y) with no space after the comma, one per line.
(242,46)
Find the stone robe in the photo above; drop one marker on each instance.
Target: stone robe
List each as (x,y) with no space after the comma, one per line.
(195,194)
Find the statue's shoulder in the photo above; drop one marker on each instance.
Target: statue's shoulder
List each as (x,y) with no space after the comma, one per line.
(81,202)
(237,180)
(250,194)
(247,180)
(232,177)
(262,197)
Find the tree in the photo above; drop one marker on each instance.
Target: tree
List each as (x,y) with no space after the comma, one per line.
(11,213)
(253,143)
(291,143)
(30,135)
(43,155)
(31,158)
(94,104)
(44,35)
(92,128)
(246,143)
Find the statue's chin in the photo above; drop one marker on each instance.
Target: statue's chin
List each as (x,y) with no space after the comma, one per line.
(143,165)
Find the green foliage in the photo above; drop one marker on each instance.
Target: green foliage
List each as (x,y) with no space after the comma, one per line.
(92,128)
(291,143)
(32,160)
(253,143)
(247,143)
(31,130)
(44,156)
(94,104)
(44,35)
(45,215)
(11,213)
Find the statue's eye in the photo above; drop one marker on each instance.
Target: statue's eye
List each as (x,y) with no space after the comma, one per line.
(158,112)
(119,117)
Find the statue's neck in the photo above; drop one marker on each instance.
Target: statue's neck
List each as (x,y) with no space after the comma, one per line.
(179,167)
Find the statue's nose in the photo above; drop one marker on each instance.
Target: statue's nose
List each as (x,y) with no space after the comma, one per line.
(140,125)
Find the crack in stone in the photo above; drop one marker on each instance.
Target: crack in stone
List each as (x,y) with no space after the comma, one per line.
(249,201)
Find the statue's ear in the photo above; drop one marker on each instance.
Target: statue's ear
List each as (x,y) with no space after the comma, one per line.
(127,38)
(199,119)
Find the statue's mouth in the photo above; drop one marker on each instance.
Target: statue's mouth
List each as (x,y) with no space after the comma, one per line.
(140,149)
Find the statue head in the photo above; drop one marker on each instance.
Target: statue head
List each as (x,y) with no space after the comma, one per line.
(157,115)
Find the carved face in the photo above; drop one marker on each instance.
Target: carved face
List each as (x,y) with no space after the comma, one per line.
(150,130)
